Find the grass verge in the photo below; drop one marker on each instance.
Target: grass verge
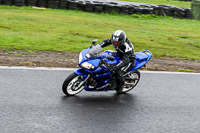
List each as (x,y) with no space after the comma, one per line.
(186,70)
(164,2)
(28,29)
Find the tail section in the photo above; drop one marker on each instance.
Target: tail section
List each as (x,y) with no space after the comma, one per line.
(141,59)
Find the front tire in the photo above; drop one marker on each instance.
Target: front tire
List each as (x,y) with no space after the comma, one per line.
(131,80)
(71,83)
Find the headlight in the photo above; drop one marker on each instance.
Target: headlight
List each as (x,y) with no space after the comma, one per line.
(80,57)
(87,65)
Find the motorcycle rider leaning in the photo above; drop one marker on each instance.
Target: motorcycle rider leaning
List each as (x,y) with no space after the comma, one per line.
(125,51)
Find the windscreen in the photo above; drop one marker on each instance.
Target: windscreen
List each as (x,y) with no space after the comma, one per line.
(95,50)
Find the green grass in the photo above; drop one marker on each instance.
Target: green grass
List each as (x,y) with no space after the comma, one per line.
(186,70)
(24,28)
(164,2)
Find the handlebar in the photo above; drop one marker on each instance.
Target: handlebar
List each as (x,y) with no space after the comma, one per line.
(101,62)
(104,62)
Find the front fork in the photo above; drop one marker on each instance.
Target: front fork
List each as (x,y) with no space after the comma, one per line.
(85,76)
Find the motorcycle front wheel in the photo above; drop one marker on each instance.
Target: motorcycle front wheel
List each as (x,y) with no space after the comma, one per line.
(71,83)
(131,80)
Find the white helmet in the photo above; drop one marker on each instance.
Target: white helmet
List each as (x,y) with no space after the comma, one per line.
(118,38)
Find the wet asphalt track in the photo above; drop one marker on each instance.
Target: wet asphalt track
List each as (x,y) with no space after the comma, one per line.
(31,101)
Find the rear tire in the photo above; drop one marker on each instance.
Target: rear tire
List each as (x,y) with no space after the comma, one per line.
(70,85)
(131,80)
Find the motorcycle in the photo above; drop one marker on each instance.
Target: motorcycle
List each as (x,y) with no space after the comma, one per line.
(93,74)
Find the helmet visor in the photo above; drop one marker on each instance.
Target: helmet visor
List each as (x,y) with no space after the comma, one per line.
(116,43)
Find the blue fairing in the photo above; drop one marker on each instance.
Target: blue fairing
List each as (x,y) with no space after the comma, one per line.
(83,53)
(141,59)
(101,73)
(80,72)
(95,61)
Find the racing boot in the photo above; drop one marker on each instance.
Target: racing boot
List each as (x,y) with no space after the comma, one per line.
(120,80)
(114,83)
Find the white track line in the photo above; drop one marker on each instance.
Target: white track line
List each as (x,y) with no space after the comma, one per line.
(72,69)
(35,68)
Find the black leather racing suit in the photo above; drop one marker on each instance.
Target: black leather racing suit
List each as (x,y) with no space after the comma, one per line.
(126,53)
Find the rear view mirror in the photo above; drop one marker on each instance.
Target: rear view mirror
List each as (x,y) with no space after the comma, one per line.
(94,41)
(109,57)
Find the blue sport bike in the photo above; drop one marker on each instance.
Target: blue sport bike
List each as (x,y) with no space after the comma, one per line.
(93,74)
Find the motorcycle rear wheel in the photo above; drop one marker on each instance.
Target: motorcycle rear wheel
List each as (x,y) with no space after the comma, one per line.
(131,80)
(70,85)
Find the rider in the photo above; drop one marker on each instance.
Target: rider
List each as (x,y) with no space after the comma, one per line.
(125,51)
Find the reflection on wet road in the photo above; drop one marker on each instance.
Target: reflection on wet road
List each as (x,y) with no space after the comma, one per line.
(32,101)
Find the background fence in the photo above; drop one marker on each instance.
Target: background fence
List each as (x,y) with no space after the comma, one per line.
(121,7)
